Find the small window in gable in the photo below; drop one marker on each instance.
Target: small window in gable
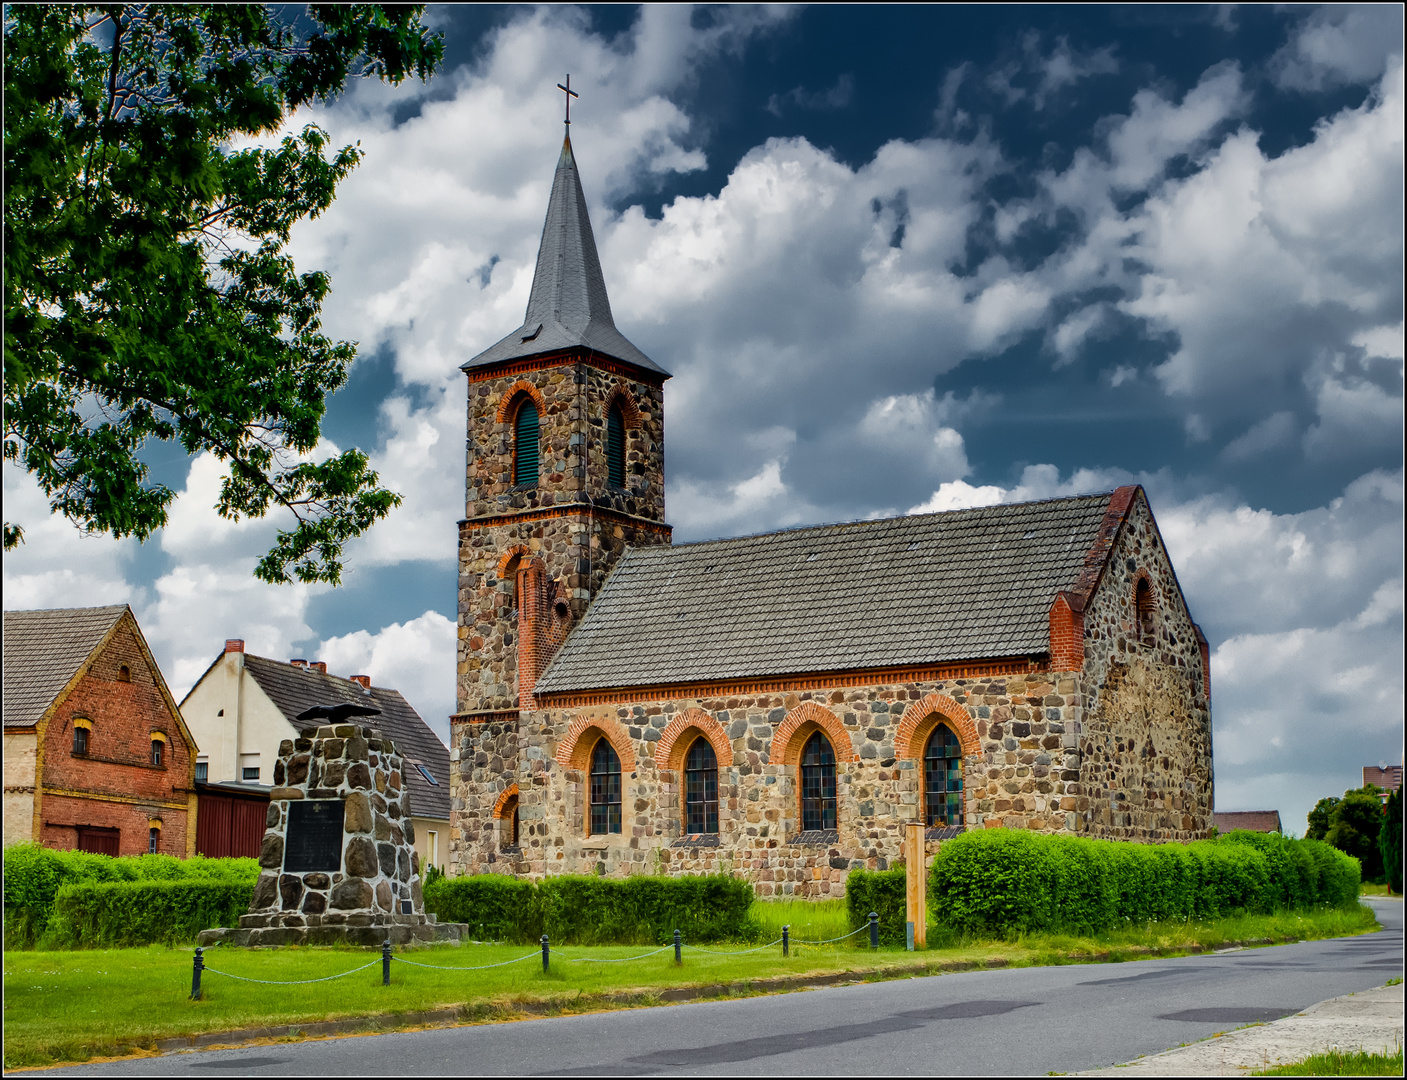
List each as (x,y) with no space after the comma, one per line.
(82,734)
(124,674)
(615,447)
(1145,608)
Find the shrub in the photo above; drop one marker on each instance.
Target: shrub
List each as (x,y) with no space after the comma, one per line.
(883,892)
(34,875)
(118,914)
(592,910)
(1002,881)
(1390,842)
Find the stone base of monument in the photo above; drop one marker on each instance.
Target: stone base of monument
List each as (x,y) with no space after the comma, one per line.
(338,862)
(265,930)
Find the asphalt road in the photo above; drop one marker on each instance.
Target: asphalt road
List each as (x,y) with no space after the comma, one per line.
(1022,1021)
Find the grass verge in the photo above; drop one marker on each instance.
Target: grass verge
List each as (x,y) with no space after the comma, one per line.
(1334,1063)
(1369,888)
(73,1006)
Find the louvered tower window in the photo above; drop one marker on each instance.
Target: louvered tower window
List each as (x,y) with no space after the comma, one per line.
(615,447)
(525,445)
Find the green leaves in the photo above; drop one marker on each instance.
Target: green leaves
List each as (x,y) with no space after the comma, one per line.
(147,295)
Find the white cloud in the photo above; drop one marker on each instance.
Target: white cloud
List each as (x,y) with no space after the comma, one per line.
(1274,432)
(416,657)
(1338,44)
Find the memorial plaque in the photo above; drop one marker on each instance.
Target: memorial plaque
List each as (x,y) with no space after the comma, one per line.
(314,835)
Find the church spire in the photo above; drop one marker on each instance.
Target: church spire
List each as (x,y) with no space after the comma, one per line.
(568,306)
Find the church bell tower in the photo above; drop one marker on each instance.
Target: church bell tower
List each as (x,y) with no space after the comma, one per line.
(564,466)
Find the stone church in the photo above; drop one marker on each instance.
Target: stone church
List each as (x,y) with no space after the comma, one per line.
(779,706)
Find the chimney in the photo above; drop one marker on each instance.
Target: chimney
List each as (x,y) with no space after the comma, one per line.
(318,666)
(365,681)
(234,644)
(299,663)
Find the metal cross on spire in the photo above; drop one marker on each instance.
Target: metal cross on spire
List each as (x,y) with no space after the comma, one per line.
(570,94)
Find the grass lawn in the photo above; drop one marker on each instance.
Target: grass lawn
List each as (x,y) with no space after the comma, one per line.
(70,1006)
(1333,1063)
(1367,888)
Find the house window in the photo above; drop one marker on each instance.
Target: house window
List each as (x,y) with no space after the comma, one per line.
(202,771)
(526,439)
(615,447)
(942,779)
(158,748)
(154,840)
(80,739)
(605,789)
(1144,607)
(701,789)
(817,784)
(249,767)
(432,847)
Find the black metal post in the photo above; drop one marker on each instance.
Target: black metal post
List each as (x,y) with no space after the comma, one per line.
(677,958)
(874,929)
(195,974)
(386,963)
(786,940)
(544,952)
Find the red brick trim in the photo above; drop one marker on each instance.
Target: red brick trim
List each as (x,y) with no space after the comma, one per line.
(508,556)
(675,742)
(799,724)
(1097,557)
(487,716)
(507,406)
(924,715)
(510,792)
(629,411)
(574,751)
(561,359)
(781,684)
(1067,635)
(573,510)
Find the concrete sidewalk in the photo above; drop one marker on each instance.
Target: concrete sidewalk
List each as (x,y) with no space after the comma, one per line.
(1371,1021)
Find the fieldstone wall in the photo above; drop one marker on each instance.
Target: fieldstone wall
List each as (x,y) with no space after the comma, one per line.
(362,901)
(1146,749)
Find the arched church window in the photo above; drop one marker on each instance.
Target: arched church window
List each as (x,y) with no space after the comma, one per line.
(701,789)
(605,789)
(615,446)
(942,779)
(526,439)
(508,824)
(1144,607)
(817,784)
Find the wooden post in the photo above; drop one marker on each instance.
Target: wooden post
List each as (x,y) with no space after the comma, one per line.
(916,892)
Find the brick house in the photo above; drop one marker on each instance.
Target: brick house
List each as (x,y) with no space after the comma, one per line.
(244,706)
(780,705)
(1386,778)
(1264,821)
(97,756)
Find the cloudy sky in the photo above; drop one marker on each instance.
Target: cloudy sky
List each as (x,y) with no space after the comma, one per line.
(897,259)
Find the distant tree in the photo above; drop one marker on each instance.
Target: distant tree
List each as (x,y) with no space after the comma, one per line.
(1357,821)
(1321,817)
(1390,842)
(147,292)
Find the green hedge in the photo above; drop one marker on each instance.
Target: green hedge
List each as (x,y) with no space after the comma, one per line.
(34,876)
(883,892)
(117,914)
(595,910)
(1000,881)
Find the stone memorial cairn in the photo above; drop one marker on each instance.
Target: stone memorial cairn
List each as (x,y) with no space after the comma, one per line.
(337,860)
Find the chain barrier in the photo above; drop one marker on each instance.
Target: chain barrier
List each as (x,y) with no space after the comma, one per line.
(289,982)
(738,952)
(615,959)
(445,967)
(828,941)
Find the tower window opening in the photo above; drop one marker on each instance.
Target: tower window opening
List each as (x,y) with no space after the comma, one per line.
(526,440)
(1144,607)
(615,447)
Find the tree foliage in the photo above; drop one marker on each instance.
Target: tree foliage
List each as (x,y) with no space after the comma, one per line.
(1352,824)
(1390,842)
(1321,817)
(147,291)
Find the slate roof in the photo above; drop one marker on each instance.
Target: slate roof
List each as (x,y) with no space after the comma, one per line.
(957,585)
(294,689)
(1265,821)
(568,306)
(43,650)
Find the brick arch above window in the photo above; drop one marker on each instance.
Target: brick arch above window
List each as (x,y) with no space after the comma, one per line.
(508,403)
(574,751)
(1142,577)
(509,795)
(679,734)
(800,724)
(629,411)
(927,713)
(517,551)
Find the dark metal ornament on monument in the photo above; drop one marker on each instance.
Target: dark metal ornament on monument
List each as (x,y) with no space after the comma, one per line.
(314,838)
